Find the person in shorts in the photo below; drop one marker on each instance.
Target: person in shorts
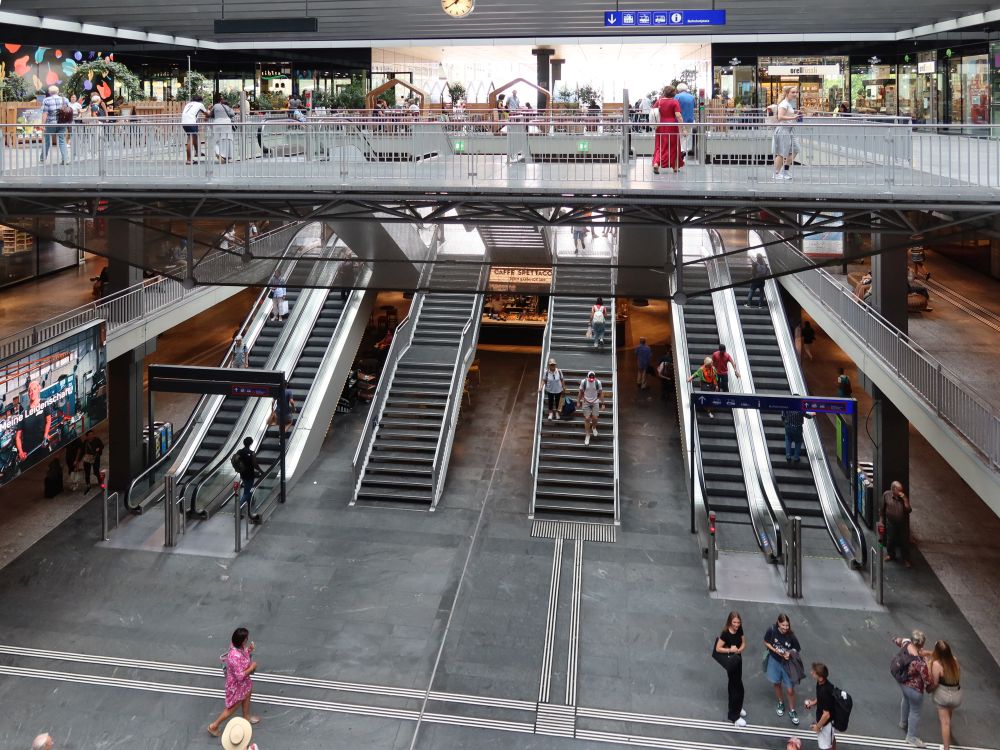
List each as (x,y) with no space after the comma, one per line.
(785,142)
(189,122)
(591,400)
(824,705)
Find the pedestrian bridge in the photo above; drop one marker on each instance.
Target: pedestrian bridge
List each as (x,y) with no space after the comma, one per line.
(844,163)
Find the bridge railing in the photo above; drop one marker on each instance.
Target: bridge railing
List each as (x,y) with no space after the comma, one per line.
(544,149)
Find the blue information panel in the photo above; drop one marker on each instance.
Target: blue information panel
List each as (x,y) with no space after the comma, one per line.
(769,402)
(633,18)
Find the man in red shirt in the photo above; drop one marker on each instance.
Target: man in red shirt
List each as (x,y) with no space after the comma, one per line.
(721,359)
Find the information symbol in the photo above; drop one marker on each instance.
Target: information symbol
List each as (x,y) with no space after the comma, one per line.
(676,17)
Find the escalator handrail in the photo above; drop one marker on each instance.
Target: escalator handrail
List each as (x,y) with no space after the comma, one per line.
(768,517)
(839,516)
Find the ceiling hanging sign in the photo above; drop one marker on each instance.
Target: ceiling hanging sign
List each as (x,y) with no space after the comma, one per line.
(635,18)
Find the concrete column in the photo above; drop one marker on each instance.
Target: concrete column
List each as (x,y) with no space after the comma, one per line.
(542,57)
(892,430)
(126,241)
(995,258)
(126,416)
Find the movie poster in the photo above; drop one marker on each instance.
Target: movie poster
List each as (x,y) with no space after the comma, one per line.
(49,396)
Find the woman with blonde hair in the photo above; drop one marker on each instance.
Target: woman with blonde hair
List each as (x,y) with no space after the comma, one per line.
(946,675)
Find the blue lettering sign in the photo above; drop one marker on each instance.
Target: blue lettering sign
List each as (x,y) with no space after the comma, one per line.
(665,18)
(769,402)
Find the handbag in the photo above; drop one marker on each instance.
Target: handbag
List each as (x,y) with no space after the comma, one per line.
(589,332)
(763,664)
(654,114)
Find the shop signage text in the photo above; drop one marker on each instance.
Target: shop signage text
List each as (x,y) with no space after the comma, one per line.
(804,70)
(634,18)
(504,278)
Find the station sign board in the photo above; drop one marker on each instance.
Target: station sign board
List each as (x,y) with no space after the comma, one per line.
(659,18)
(775,402)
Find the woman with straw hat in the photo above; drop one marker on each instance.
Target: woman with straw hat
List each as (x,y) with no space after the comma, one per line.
(237,735)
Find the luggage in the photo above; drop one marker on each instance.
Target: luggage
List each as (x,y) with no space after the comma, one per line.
(568,407)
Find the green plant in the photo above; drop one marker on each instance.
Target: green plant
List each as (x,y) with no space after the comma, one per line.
(13,88)
(566,95)
(351,96)
(388,96)
(101,68)
(193,83)
(322,98)
(588,94)
(231,97)
(456,92)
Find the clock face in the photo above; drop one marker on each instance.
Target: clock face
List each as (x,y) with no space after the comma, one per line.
(458,8)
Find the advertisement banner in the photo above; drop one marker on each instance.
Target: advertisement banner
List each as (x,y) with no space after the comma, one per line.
(49,396)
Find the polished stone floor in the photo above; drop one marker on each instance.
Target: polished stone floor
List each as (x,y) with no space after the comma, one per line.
(394,628)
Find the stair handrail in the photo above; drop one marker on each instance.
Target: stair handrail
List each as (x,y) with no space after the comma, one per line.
(845,531)
(463,359)
(540,401)
(401,341)
(615,435)
(749,426)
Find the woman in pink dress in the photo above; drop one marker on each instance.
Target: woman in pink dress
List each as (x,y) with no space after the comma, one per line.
(667,151)
(239,667)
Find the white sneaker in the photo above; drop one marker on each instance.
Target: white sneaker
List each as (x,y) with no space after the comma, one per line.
(740,723)
(916,742)
(586,440)
(593,432)
(549,416)
(786,176)
(558,417)
(777,176)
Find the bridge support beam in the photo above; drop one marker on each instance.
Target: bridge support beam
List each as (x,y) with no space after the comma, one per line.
(892,430)
(542,57)
(126,416)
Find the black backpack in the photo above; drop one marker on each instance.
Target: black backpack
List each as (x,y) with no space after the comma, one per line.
(899,667)
(842,705)
(239,462)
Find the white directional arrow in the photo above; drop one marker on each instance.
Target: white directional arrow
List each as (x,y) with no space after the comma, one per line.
(701,400)
(612,19)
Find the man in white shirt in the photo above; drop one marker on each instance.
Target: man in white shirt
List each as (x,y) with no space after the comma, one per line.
(189,122)
(785,142)
(513,103)
(591,399)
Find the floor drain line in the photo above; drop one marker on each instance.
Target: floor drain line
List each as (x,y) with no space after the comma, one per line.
(584,532)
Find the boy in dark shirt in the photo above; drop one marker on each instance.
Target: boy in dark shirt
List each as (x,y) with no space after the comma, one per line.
(824,705)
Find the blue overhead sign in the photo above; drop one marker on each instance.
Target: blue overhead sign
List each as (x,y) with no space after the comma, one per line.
(769,402)
(634,18)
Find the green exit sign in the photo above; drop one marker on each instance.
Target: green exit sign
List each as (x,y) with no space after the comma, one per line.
(459,147)
(583,146)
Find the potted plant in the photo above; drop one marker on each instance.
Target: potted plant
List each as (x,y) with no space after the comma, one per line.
(456,92)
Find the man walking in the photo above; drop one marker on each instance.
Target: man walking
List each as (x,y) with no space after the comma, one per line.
(685,99)
(824,705)
(57,114)
(793,419)
(758,274)
(643,356)
(895,517)
(246,464)
(785,142)
(722,359)
(591,399)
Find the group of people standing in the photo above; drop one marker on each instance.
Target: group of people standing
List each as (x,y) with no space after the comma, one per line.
(222,117)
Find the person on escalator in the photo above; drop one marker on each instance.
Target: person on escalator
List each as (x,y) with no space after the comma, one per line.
(246,464)
(794,419)
(279,305)
(709,379)
(722,359)
(759,271)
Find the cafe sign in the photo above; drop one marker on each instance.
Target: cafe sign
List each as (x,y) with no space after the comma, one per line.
(520,278)
(804,70)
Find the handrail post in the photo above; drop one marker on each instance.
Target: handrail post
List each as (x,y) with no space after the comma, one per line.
(169,519)
(238,512)
(793,559)
(713,551)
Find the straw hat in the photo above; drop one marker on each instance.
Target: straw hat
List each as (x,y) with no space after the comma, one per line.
(237,734)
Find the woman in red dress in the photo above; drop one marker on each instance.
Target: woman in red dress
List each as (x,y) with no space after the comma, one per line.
(667,151)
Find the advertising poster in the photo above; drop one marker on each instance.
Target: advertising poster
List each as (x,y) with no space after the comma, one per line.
(828,244)
(49,396)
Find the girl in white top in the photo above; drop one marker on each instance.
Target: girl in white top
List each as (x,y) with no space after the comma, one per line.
(598,322)
(553,384)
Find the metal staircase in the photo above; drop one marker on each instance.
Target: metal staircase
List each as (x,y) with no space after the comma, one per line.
(403,454)
(573,479)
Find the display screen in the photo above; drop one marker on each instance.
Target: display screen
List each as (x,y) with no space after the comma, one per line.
(51,395)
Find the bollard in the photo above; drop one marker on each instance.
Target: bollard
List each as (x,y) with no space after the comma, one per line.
(793,561)
(712,551)
(169,518)
(105,531)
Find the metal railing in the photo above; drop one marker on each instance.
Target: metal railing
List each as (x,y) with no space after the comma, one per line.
(546,150)
(401,341)
(463,359)
(540,401)
(942,390)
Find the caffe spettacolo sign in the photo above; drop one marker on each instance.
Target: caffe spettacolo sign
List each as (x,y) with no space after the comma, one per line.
(520,279)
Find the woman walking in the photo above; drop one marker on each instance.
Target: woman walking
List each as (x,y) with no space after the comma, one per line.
(708,377)
(667,151)
(553,385)
(946,675)
(239,666)
(222,122)
(784,653)
(913,679)
(728,652)
(598,321)
(279,306)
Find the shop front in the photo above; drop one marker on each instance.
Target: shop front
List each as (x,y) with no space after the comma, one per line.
(516,308)
(821,81)
(23,256)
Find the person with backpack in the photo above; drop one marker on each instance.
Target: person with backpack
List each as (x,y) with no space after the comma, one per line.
(909,668)
(57,116)
(708,377)
(758,272)
(781,646)
(598,322)
(553,385)
(794,419)
(245,463)
(728,652)
(591,398)
(844,387)
(825,705)
(808,338)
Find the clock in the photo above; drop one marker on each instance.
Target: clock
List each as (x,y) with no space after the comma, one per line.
(458,8)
